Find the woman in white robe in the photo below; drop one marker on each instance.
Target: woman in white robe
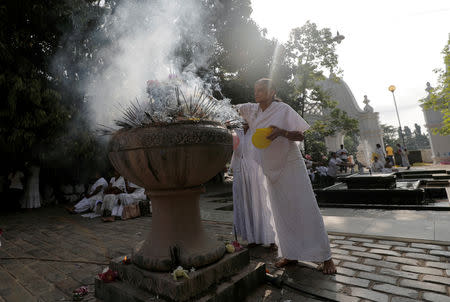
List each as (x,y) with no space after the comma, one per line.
(252,216)
(32,197)
(299,228)
(94,197)
(113,194)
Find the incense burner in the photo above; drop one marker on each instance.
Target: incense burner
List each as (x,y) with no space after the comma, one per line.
(172,161)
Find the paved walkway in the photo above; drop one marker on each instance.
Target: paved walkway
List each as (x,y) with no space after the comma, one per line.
(368,268)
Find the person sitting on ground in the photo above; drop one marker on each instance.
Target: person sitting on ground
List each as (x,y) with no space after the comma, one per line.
(377,165)
(388,167)
(93,197)
(134,194)
(116,187)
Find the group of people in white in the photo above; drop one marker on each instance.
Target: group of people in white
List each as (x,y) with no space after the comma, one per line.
(108,198)
(324,174)
(274,203)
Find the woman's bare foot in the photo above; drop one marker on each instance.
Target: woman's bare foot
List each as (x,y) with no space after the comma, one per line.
(328,267)
(71,210)
(285,262)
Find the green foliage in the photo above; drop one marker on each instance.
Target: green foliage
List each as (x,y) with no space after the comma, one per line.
(243,53)
(48,48)
(413,140)
(309,52)
(336,121)
(420,138)
(40,99)
(31,110)
(439,99)
(390,135)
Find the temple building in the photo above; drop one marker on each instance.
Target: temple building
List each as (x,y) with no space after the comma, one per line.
(369,126)
(440,144)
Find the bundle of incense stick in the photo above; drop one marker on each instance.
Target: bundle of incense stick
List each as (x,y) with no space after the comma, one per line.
(168,103)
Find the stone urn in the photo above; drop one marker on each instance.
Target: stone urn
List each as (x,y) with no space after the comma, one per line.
(171,162)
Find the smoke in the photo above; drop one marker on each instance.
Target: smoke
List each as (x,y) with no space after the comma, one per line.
(145,38)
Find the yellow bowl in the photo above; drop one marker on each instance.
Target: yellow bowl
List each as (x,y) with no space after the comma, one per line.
(264,130)
(259,138)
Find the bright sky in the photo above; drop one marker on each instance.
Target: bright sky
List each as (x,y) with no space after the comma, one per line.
(387,42)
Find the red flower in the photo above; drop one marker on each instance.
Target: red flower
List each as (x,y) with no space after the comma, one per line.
(108,276)
(237,246)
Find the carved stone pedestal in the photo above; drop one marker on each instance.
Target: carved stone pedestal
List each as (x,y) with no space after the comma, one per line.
(230,279)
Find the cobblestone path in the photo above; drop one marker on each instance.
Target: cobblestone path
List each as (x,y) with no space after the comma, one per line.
(369,269)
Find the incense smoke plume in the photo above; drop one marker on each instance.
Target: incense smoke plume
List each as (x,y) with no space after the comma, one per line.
(146,36)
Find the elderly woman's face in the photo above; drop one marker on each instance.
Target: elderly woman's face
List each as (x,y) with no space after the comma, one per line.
(262,94)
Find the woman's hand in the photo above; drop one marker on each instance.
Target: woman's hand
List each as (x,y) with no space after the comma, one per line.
(276,132)
(290,135)
(295,136)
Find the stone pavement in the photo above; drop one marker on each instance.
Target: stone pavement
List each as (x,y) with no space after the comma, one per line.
(369,269)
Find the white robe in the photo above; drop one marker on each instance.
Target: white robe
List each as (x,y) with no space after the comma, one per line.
(32,197)
(112,200)
(89,203)
(252,216)
(299,227)
(380,154)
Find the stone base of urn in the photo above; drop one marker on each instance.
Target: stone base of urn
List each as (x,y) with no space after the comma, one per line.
(230,279)
(177,234)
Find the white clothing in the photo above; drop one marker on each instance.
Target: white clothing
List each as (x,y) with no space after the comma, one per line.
(117,210)
(112,200)
(333,166)
(32,196)
(377,166)
(299,229)
(380,154)
(342,153)
(89,203)
(101,182)
(138,194)
(322,170)
(90,215)
(252,216)
(278,114)
(404,156)
(16,180)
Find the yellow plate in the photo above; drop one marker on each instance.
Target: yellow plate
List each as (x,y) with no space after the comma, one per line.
(259,139)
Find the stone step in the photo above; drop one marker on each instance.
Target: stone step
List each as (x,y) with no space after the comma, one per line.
(121,292)
(200,280)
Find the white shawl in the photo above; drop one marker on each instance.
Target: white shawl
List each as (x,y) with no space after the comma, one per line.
(273,158)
